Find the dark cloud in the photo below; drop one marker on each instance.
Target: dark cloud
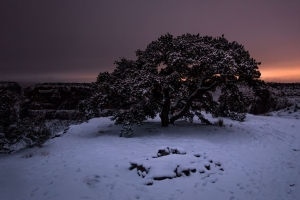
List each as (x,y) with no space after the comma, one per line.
(75,40)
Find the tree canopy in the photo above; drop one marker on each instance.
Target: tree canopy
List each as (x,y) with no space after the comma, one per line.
(176,77)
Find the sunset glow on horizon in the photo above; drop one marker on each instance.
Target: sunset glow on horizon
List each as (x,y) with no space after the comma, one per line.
(286,73)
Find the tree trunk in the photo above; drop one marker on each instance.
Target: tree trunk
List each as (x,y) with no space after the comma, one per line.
(164,120)
(164,115)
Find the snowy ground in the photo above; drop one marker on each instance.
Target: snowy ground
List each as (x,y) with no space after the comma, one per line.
(256,159)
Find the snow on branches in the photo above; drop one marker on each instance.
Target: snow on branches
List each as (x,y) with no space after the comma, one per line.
(176,77)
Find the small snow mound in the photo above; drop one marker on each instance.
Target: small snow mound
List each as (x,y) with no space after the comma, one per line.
(173,163)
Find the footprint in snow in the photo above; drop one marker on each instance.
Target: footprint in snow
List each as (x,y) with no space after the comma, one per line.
(34,191)
(296,150)
(91,180)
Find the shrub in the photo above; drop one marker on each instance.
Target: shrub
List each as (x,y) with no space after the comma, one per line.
(14,129)
(35,133)
(238,116)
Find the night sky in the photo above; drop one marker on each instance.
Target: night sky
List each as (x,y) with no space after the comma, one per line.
(72,41)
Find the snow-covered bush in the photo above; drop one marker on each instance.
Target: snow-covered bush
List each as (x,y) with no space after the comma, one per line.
(30,132)
(269,98)
(34,133)
(238,116)
(17,130)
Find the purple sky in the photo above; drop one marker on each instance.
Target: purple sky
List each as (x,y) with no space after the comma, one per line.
(58,40)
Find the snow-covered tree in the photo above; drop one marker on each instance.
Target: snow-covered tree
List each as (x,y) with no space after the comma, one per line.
(176,77)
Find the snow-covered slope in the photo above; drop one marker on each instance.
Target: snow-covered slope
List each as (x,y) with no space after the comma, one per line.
(255,159)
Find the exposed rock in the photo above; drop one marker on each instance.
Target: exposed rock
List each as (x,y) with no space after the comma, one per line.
(167,150)
(10,86)
(56,96)
(48,100)
(59,100)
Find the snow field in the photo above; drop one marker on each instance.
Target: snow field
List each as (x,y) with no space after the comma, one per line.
(260,159)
